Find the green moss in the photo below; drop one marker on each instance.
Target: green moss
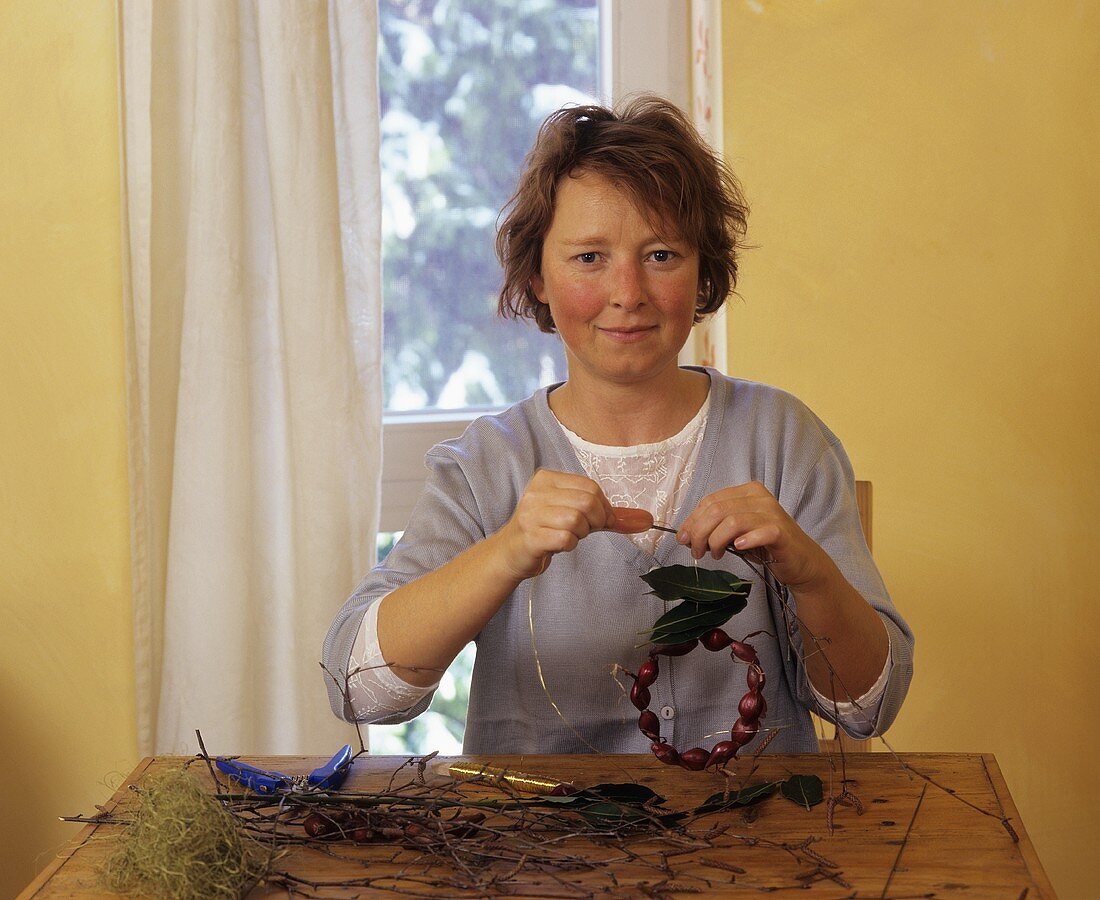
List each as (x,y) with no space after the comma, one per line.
(182,843)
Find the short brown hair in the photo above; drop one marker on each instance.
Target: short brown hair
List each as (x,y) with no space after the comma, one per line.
(648,148)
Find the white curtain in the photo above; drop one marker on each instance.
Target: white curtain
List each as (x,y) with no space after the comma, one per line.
(709,339)
(252,228)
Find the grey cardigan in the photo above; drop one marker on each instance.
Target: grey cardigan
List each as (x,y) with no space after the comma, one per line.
(590,607)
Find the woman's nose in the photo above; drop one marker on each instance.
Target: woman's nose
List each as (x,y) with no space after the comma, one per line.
(627,290)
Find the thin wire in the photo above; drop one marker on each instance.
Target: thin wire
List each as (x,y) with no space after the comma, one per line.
(742,554)
(542,679)
(531,784)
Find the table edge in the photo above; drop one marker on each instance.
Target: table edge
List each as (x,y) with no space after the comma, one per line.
(1008,805)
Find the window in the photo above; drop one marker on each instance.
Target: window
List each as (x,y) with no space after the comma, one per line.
(464,86)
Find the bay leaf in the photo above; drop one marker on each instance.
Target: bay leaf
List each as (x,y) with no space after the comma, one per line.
(612,813)
(805,790)
(689,620)
(610,792)
(697,584)
(748,795)
(625,792)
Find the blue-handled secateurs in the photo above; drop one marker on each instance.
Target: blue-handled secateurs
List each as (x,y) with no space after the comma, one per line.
(328,777)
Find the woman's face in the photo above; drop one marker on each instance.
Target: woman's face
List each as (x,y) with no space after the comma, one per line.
(623,298)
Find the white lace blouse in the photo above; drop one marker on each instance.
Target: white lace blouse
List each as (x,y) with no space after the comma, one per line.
(653,477)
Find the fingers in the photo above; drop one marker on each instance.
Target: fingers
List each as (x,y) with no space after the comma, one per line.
(589,496)
(744,531)
(746,516)
(555,513)
(562,527)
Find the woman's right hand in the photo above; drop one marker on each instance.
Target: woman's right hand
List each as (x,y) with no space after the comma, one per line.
(424,624)
(557,511)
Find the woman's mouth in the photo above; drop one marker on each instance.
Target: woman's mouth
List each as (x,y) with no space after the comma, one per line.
(628,335)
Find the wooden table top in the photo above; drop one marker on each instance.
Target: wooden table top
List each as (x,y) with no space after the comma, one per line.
(932,825)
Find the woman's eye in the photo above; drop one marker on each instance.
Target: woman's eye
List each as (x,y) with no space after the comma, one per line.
(662,255)
(590,257)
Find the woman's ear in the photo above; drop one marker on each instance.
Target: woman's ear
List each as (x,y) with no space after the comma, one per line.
(538,288)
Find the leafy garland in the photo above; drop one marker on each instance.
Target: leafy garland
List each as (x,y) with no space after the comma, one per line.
(709,598)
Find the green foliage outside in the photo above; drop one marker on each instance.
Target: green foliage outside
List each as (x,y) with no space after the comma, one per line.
(439,728)
(464,86)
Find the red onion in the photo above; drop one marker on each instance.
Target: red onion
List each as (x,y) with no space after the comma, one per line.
(639,696)
(674,649)
(694,759)
(650,725)
(647,674)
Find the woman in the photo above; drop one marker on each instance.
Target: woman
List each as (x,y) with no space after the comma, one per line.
(623,232)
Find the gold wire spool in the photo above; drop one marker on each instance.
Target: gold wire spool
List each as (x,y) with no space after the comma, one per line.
(520,781)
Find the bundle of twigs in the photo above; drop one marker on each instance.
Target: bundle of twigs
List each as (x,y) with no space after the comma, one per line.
(439,837)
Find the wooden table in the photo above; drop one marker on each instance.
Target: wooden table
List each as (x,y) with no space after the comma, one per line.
(913,838)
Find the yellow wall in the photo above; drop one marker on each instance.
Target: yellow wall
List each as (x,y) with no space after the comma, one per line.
(927,215)
(66,673)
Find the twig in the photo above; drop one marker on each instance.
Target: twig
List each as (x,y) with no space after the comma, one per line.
(904,841)
(206,759)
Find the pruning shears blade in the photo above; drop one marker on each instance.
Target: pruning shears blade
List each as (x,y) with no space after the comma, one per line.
(327,777)
(332,774)
(259,780)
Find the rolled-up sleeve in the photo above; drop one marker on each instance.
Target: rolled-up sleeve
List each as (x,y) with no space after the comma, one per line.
(445,522)
(825,507)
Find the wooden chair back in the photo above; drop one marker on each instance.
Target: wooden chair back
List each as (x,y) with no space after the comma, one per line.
(840,739)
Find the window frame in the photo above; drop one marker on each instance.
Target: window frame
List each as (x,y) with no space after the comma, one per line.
(645,45)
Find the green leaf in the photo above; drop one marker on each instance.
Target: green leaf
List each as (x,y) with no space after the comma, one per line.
(612,812)
(693,583)
(617,814)
(621,793)
(690,620)
(805,790)
(564,800)
(625,792)
(748,795)
(616,803)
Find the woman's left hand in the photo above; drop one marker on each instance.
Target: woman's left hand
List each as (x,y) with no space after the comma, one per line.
(750,518)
